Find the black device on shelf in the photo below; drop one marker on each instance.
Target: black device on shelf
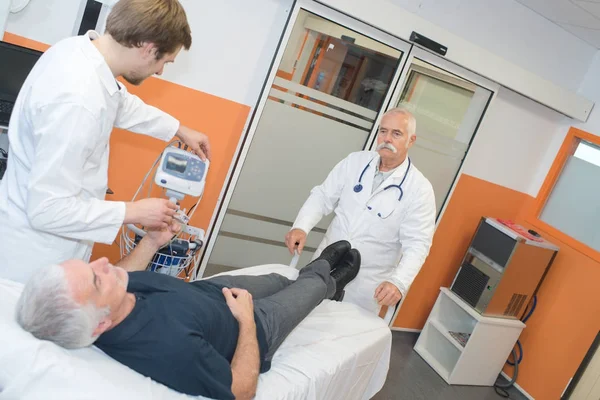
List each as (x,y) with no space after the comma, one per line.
(16,64)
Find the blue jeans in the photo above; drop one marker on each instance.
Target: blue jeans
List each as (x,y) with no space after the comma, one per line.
(281,304)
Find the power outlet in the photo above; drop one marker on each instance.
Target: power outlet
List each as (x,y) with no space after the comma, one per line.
(197,232)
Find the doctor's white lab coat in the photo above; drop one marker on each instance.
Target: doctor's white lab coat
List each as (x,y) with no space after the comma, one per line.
(392,248)
(52,204)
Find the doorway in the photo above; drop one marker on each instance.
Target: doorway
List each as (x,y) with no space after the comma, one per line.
(332,79)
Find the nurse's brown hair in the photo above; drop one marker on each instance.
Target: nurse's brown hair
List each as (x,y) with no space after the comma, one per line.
(161,22)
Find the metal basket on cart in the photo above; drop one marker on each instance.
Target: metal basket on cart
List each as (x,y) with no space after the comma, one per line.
(179,258)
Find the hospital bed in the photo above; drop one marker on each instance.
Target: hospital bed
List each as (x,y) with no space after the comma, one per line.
(339,352)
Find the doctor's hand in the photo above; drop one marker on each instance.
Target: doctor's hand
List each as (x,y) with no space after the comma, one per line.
(295,236)
(153,214)
(197,141)
(387,294)
(240,303)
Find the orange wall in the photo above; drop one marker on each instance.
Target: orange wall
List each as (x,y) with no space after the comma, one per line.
(567,317)
(131,155)
(472,199)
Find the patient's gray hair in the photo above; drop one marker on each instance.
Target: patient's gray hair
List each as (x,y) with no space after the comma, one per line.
(48,311)
(412,122)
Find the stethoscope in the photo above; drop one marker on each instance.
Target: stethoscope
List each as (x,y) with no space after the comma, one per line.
(359,187)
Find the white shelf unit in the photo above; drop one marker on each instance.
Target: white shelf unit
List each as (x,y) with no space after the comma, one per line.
(482,358)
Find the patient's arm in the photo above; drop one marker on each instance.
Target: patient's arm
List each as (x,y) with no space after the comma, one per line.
(140,257)
(245,365)
(142,254)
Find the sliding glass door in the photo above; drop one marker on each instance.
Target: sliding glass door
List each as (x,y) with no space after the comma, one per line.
(331,80)
(448,103)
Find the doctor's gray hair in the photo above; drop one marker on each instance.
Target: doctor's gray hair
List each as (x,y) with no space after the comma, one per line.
(412,122)
(47,310)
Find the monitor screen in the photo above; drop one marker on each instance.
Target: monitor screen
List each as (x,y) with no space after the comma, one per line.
(177,164)
(16,64)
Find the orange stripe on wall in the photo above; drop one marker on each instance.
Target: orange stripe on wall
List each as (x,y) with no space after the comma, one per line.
(565,321)
(22,41)
(132,155)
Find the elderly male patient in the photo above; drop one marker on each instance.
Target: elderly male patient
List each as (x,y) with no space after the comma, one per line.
(210,337)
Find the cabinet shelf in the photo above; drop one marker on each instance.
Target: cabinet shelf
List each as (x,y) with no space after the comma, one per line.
(446,333)
(488,343)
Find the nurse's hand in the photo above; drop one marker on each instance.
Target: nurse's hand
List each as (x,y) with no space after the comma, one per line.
(387,294)
(197,141)
(153,214)
(295,236)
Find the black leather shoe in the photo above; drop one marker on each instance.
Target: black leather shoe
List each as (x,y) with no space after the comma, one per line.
(334,253)
(345,271)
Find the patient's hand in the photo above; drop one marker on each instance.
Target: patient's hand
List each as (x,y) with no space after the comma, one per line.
(241,305)
(161,237)
(387,294)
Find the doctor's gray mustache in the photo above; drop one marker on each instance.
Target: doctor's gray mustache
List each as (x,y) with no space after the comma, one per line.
(386,146)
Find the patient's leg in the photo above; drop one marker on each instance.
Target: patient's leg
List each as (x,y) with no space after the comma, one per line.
(259,286)
(281,312)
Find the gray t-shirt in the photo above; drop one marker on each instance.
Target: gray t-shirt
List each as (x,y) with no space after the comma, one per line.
(380,177)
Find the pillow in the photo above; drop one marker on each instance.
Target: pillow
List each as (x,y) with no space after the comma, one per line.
(37,369)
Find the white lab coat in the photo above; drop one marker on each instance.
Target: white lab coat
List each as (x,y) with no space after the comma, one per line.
(392,249)
(52,205)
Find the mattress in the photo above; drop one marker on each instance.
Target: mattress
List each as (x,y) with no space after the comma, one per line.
(339,352)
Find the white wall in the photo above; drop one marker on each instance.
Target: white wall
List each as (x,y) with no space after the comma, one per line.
(590,87)
(535,139)
(512,142)
(513,32)
(233,41)
(4,4)
(519,139)
(46,21)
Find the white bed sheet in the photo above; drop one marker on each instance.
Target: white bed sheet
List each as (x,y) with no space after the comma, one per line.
(339,352)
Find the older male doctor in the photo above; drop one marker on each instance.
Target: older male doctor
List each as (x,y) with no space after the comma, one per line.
(383,206)
(52,205)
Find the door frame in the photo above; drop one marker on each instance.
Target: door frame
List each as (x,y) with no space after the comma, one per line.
(245,142)
(437,61)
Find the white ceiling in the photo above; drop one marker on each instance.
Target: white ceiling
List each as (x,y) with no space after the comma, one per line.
(580,17)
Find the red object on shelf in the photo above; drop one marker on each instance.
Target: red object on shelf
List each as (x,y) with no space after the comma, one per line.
(520,230)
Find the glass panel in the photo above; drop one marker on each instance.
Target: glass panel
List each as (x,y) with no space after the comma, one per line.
(447,109)
(329,88)
(573,206)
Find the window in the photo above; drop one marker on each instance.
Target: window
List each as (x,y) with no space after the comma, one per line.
(569,202)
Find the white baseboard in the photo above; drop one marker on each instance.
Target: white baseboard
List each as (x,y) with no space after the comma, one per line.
(519,388)
(405,330)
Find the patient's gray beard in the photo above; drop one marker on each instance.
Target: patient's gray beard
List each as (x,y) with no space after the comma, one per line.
(386,146)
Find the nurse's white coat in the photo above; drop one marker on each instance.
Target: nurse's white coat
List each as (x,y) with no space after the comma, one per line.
(52,204)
